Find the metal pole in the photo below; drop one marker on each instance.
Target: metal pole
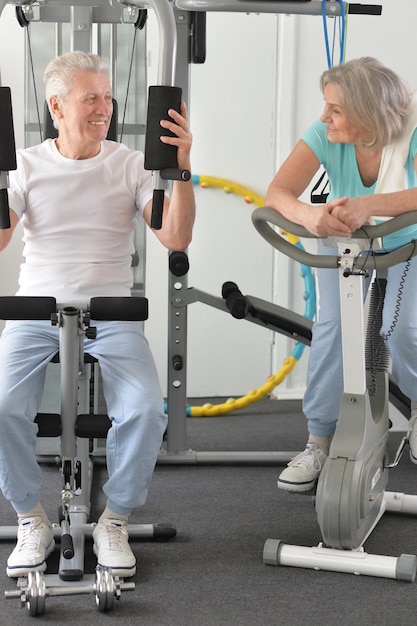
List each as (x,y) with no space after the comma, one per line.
(2,5)
(167,54)
(314,7)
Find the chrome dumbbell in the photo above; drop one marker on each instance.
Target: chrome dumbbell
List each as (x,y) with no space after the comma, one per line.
(105,589)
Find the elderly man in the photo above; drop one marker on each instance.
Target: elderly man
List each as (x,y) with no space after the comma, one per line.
(78,198)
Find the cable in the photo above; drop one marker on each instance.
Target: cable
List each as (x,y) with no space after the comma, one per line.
(391,329)
(341,24)
(376,351)
(326,35)
(34,83)
(128,86)
(24,23)
(378,348)
(138,25)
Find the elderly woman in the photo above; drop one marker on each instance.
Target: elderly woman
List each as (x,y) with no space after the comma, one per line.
(366,141)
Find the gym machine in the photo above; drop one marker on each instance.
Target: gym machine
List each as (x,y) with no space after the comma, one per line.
(188,20)
(76,425)
(351,492)
(181,295)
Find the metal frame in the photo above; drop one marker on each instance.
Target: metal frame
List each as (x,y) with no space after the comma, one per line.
(76,462)
(180,295)
(300,7)
(174,25)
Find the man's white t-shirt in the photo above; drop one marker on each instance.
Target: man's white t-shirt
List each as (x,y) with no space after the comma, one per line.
(78,218)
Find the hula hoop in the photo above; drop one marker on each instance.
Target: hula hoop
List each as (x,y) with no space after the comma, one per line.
(233,404)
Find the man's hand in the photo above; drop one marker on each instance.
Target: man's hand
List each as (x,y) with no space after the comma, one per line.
(183,139)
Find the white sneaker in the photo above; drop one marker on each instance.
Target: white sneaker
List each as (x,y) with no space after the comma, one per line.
(111,546)
(412,433)
(35,542)
(303,471)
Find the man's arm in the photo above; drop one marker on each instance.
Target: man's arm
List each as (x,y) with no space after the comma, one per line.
(6,234)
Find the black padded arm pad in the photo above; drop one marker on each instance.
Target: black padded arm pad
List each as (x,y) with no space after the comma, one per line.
(119,309)
(7,151)
(158,155)
(7,143)
(89,426)
(27,308)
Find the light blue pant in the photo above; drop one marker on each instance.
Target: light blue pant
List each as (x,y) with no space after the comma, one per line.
(322,399)
(134,404)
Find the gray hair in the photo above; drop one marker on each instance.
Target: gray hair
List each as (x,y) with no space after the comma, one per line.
(60,72)
(373,97)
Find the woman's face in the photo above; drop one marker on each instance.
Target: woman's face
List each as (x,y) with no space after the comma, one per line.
(339,129)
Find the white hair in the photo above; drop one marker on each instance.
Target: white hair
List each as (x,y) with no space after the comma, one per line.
(59,74)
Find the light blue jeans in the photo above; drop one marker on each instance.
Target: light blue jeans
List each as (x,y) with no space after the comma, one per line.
(134,404)
(322,400)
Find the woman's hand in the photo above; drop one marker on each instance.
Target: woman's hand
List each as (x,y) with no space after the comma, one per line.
(323,221)
(350,211)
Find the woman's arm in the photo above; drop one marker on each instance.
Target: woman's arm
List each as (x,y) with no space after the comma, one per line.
(291,180)
(357,211)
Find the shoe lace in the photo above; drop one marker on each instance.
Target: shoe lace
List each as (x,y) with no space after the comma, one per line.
(29,536)
(309,457)
(116,537)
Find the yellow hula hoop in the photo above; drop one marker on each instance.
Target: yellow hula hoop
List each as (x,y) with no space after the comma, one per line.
(233,404)
(212,410)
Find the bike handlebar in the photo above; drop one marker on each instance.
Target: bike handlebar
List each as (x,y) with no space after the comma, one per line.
(264,216)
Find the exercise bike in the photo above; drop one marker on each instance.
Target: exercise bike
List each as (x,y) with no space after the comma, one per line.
(76,426)
(351,492)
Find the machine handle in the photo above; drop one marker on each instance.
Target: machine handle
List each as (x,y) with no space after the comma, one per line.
(163,94)
(7,153)
(157,208)
(263,217)
(67,546)
(4,210)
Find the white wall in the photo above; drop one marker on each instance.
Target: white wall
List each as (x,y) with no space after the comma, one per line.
(232,113)
(389,37)
(254,96)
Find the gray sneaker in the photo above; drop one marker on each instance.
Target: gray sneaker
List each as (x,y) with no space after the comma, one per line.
(35,542)
(303,471)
